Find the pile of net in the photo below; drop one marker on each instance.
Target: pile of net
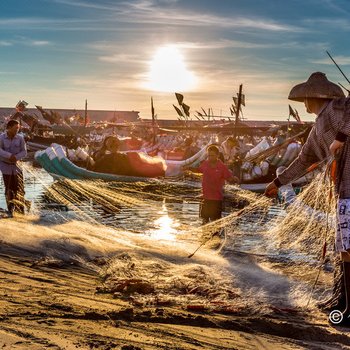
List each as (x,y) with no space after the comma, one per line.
(147,244)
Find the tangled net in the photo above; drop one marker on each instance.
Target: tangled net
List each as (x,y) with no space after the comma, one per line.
(256,236)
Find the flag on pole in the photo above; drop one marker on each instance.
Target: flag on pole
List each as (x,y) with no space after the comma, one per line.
(293,114)
(205,113)
(298,117)
(152,108)
(178,110)
(179,98)
(291,111)
(186,109)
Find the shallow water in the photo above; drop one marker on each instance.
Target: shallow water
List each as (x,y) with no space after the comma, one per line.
(162,219)
(35,182)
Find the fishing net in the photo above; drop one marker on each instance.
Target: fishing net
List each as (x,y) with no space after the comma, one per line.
(146,241)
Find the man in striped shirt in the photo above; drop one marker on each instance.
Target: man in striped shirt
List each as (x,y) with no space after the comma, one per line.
(328,137)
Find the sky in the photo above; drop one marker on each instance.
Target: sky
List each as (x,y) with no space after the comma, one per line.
(119,54)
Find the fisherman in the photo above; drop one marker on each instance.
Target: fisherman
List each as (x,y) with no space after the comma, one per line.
(21,107)
(190,148)
(105,148)
(25,120)
(231,151)
(109,160)
(215,173)
(329,137)
(13,149)
(246,145)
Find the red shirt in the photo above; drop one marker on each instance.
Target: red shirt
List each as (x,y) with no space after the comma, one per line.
(214,179)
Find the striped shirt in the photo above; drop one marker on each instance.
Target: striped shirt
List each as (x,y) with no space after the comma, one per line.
(8,147)
(333,118)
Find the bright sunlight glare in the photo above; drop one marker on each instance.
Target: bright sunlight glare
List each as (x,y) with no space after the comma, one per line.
(168,71)
(165,226)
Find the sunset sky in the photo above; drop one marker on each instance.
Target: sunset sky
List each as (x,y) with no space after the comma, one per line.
(117,54)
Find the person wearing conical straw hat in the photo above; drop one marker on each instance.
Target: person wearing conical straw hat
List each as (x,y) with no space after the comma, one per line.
(329,137)
(21,107)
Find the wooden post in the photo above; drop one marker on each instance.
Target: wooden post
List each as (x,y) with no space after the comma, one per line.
(85,116)
(153,123)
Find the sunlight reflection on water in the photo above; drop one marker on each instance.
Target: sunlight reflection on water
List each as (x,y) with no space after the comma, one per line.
(165,227)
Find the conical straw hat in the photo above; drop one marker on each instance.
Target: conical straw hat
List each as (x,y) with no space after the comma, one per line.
(317,86)
(22,103)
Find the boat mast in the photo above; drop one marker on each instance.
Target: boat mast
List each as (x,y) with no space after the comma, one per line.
(85,115)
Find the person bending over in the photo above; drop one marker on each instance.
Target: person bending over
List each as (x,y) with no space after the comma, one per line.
(328,137)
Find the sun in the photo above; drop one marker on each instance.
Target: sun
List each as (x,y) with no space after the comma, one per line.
(168,71)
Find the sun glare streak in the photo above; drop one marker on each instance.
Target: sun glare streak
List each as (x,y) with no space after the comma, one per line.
(168,71)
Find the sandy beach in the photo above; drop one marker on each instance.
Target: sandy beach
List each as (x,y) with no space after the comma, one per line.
(70,282)
(48,303)
(174,174)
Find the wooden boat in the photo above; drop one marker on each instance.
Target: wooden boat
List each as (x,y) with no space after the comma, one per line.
(56,163)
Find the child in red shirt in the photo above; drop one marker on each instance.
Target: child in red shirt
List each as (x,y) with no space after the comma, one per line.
(215,173)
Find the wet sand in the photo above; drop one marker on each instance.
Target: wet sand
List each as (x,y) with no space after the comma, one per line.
(48,305)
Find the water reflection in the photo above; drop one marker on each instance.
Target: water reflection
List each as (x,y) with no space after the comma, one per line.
(35,182)
(165,227)
(160,220)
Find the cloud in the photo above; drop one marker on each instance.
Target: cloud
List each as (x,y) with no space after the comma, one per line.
(334,5)
(5,43)
(74,3)
(49,24)
(204,20)
(21,40)
(219,44)
(226,44)
(119,58)
(39,43)
(340,24)
(107,83)
(151,12)
(343,60)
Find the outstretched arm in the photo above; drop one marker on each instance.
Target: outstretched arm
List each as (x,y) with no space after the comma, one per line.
(298,167)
